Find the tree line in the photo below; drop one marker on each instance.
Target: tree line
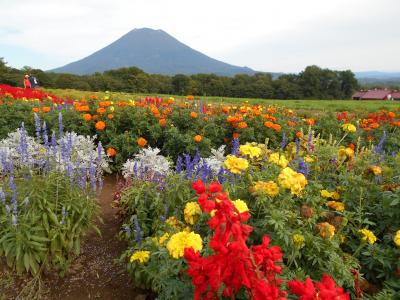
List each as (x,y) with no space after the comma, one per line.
(312,83)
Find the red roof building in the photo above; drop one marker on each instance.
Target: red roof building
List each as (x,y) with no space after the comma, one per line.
(396,95)
(374,95)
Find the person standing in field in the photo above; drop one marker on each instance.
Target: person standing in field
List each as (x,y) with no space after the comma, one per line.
(33,81)
(27,83)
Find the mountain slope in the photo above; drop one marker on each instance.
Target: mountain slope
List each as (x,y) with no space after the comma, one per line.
(153,51)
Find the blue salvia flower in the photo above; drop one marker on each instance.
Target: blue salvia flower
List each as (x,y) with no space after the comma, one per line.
(23,145)
(188,166)
(394,153)
(220,175)
(138,237)
(204,173)
(53,142)
(303,167)
(99,153)
(284,140)
(60,125)
(92,173)
(44,134)
(235,146)
(135,171)
(2,196)
(297,147)
(309,142)
(14,219)
(127,230)
(379,148)
(196,158)
(37,125)
(179,164)
(70,171)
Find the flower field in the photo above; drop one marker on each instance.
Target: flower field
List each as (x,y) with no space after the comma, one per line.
(218,200)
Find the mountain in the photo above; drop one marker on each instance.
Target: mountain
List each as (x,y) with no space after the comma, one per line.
(378,77)
(153,51)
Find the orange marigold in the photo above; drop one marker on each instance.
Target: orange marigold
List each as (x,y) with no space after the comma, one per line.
(197,138)
(141,142)
(111,152)
(242,125)
(110,116)
(35,109)
(310,121)
(100,125)
(162,122)
(46,109)
(101,110)
(87,117)
(193,114)
(190,97)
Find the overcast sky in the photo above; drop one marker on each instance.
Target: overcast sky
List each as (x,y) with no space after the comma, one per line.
(266,35)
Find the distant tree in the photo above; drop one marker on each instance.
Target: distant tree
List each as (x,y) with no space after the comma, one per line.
(182,84)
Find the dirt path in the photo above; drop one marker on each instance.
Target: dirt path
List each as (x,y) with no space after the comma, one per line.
(94,275)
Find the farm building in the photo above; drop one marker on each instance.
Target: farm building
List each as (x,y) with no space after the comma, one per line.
(375,95)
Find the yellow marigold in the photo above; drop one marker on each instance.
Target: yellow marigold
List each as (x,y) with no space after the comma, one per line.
(325,194)
(396,238)
(376,170)
(235,164)
(326,230)
(270,188)
(192,212)
(367,235)
(182,240)
(348,127)
(251,151)
(163,238)
(309,159)
(240,205)
(278,159)
(338,206)
(348,152)
(172,221)
(292,180)
(335,195)
(140,256)
(298,240)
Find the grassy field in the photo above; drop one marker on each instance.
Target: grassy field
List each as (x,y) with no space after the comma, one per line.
(317,105)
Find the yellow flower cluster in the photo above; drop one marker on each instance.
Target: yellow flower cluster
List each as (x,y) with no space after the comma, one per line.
(173,222)
(278,159)
(298,240)
(192,212)
(347,152)
(140,256)
(326,194)
(396,238)
(182,240)
(292,180)
(270,188)
(240,205)
(250,151)
(163,238)
(326,230)
(338,206)
(309,159)
(348,127)
(235,164)
(376,170)
(367,235)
